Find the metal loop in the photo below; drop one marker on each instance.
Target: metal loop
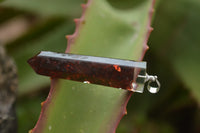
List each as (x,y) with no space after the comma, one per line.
(150,79)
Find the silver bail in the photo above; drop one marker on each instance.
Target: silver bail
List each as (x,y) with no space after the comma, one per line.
(150,79)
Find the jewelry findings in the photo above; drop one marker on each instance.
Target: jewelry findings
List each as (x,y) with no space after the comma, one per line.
(117,73)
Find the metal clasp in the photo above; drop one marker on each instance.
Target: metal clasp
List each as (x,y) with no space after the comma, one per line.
(142,79)
(150,79)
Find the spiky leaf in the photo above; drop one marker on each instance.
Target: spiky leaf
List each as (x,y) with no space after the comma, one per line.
(179,44)
(47,7)
(103,30)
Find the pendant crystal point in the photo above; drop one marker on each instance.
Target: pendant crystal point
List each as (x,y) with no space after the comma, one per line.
(117,73)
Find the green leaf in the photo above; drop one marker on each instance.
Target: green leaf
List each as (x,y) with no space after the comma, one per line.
(179,44)
(47,7)
(28,80)
(103,30)
(27,110)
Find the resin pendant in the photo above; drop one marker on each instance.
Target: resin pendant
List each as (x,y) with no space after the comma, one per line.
(117,73)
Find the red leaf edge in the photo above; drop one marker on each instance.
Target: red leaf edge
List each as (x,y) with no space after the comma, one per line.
(70,40)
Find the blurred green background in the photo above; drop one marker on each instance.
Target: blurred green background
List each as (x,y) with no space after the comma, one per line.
(29,26)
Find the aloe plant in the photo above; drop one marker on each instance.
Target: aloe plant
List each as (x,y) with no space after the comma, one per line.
(60,7)
(180,35)
(173,56)
(103,30)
